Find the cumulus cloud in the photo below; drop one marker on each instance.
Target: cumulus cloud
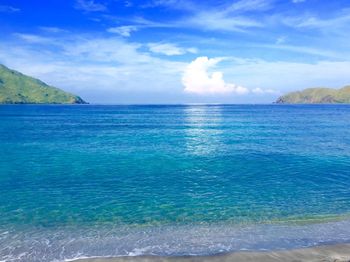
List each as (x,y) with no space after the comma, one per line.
(169,49)
(196,79)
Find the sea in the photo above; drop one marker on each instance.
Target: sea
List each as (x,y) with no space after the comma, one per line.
(79,181)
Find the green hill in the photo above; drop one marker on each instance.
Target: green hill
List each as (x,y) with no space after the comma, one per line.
(16,88)
(317,96)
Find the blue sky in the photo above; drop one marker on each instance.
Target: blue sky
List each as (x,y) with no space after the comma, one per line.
(177,51)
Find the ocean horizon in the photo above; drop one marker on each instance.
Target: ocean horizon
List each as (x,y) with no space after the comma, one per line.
(171,180)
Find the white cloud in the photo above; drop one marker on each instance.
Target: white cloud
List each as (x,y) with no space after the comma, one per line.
(250,5)
(337,23)
(281,40)
(8,9)
(196,79)
(137,23)
(50,29)
(308,50)
(222,17)
(219,21)
(170,49)
(229,18)
(89,6)
(173,4)
(98,69)
(261,91)
(284,76)
(30,38)
(124,31)
(298,1)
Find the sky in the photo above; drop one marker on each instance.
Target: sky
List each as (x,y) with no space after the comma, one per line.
(178,51)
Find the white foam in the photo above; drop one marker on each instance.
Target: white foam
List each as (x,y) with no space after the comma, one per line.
(68,243)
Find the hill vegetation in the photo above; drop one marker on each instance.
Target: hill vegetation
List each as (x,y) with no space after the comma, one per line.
(317,96)
(17,88)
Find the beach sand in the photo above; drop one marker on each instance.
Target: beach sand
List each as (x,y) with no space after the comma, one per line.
(332,253)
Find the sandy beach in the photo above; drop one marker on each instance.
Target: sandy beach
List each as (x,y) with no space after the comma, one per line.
(331,253)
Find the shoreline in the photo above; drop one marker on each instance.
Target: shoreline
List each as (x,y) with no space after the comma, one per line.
(327,253)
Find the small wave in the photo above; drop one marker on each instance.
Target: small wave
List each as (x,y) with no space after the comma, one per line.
(68,244)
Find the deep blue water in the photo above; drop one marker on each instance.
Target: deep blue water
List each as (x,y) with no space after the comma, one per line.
(91,180)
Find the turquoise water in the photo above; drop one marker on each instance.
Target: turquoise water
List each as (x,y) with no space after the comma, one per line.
(80,181)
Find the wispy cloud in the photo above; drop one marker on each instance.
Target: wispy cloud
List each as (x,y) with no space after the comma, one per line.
(261,91)
(116,55)
(340,20)
(31,38)
(222,17)
(330,54)
(124,31)
(98,68)
(285,76)
(217,21)
(8,9)
(101,69)
(49,29)
(227,17)
(250,6)
(281,40)
(184,5)
(90,6)
(134,24)
(237,16)
(170,49)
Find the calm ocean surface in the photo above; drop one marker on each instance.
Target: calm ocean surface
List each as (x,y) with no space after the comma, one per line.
(82,181)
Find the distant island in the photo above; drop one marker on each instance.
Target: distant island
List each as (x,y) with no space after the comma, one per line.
(17,88)
(317,96)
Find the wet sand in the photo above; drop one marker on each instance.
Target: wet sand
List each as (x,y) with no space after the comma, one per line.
(332,253)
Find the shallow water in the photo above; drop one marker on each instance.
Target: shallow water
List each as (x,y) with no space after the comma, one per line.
(169,180)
